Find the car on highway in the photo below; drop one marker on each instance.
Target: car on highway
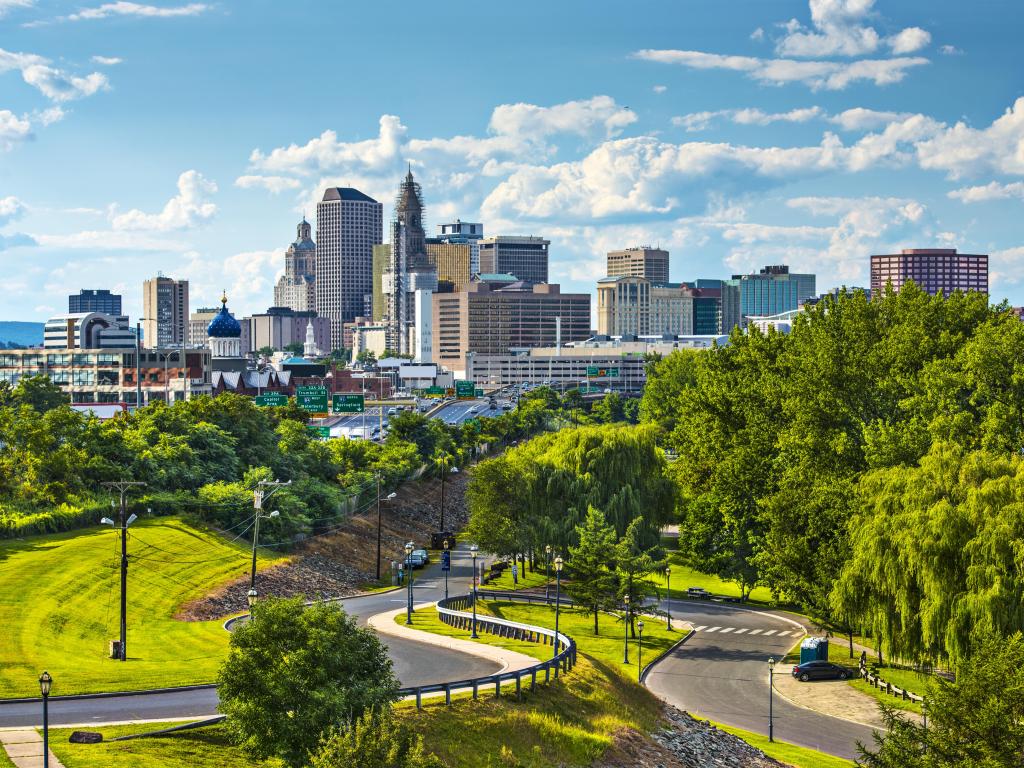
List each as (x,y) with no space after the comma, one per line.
(419,558)
(698,593)
(821,670)
(392,411)
(474,409)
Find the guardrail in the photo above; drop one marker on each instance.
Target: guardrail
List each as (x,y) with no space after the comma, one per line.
(889,688)
(452,611)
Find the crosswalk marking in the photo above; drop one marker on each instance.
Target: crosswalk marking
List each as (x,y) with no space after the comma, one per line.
(727,629)
(712,629)
(770,632)
(700,628)
(740,631)
(755,631)
(747,630)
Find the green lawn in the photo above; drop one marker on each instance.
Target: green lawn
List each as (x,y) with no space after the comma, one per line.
(59,607)
(684,577)
(895,702)
(801,757)
(531,579)
(201,747)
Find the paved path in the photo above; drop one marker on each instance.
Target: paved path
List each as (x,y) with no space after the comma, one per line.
(25,748)
(721,673)
(415,663)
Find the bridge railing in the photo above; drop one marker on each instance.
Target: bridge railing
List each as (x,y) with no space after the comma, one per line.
(456,612)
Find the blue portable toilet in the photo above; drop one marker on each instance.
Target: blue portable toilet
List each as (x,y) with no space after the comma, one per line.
(814,649)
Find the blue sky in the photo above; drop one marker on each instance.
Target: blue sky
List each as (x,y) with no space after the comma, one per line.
(189,137)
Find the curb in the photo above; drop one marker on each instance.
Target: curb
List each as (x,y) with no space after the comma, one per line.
(230,622)
(113,694)
(663,654)
(797,704)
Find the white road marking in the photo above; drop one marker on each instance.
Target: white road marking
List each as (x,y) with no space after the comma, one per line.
(727,629)
(700,629)
(740,631)
(712,629)
(770,632)
(755,631)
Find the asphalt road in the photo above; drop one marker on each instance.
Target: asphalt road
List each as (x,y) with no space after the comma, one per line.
(459,411)
(414,664)
(721,673)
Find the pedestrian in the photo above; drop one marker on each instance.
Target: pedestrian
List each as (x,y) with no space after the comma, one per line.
(515,575)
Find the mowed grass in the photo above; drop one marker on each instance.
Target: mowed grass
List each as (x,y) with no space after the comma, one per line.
(210,746)
(790,754)
(59,607)
(534,578)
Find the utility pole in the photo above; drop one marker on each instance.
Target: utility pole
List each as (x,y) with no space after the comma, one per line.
(390,496)
(258,497)
(122,487)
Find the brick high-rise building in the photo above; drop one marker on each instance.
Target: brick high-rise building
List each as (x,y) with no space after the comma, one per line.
(524,257)
(348,225)
(165,312)
(642,261)
(936,270)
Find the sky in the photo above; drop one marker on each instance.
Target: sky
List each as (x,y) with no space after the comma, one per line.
(189,138)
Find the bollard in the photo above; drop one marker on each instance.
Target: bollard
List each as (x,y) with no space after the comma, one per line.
(448,695)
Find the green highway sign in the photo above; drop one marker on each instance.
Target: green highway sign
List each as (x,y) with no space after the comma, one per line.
(348,404)
(313,399)
(435,391)
(479,393)
(594,372)
(272,398)
(321,432)
(465,390)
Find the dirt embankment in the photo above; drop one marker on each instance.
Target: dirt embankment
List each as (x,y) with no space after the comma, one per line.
(343,561)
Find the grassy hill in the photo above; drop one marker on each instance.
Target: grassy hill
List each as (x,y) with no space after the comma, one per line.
(59,607)
(19,332)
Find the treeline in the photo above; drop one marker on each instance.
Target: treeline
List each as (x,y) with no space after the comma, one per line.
(205,456)
(865,465)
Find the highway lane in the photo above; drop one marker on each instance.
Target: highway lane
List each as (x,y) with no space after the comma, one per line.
(460,411)
(721,673)
(414,664)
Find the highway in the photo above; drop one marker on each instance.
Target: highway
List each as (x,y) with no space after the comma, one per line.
(414,664)
(721,673)
(364,424)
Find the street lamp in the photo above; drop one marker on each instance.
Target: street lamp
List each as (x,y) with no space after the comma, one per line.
(640,651)
(547,582)
(408,575)
(255,539)
(558,598)
(473,551)
(668,596)
(625,635)
(447,557)
(45,681)
(771,684)
(251,597)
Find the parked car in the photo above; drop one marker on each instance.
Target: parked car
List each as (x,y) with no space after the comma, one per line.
(698,593)
(821,670)
(419,558)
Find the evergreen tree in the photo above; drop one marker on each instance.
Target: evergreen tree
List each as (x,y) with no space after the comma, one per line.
(633,562)
(593,581)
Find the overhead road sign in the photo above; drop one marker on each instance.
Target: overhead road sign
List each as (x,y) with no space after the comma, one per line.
(348,403)
(465,390)
(272,399)
(312,399)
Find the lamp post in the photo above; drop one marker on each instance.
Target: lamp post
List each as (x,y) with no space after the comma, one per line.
(558,598)
(447,556)
(640,651)
(473,551)
(408,576)
(547,568)
(255,540)
(123,487)
(625,633)
(251,596)
(45,681)
(668,596)
(771,685)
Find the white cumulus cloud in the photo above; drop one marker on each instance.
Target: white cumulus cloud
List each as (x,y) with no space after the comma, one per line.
(53,82)
(124,8)
(189,208)
(991,191)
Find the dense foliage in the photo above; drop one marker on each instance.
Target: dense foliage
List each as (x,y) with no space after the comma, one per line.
(813,459)
(294,672)
(205,456)
(377,740)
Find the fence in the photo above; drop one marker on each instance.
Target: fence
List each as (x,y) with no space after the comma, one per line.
(453,611)
(889,688)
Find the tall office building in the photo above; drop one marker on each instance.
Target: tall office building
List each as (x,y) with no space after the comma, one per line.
(381,264)
(197,323)
(773,290)
(452,261)
(716,306)
(524,257)
(936,270)
(470,233)
(97,300)
(409,269)
(641,261)
(296,288)
(635,305)
(348,225)
(165,312)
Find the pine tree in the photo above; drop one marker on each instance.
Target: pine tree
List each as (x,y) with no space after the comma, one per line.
(593,581)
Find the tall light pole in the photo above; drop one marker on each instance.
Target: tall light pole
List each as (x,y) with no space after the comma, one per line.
(446,469)
(640,651)
(473,551)
(668,596)
(547,570)
(771,685)
(446,565)
(558,600)
(390,496)
(625,633)
(259,496)
(45,681)
(123,487)
(408,576)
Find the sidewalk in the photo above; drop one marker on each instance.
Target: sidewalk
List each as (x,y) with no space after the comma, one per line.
(25,748)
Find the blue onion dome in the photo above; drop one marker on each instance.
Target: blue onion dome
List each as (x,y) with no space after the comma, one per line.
(223,325)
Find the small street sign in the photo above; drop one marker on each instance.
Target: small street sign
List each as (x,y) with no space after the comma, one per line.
(446,560)
(320,432)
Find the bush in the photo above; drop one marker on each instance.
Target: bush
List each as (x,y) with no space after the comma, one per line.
(376,740)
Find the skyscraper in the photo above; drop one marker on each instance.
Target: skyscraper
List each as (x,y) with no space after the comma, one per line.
(936,270)
(296,288)
(641,261)
(348,225)
(773,290)
(524,257)
(165,312)
(409,270)
(95,300)
(470,233)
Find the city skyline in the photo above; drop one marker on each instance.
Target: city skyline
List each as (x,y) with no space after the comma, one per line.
(730,140)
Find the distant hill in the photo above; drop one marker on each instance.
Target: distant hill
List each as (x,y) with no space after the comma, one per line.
(26,334)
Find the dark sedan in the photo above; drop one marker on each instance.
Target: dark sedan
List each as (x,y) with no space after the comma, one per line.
(821,670)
